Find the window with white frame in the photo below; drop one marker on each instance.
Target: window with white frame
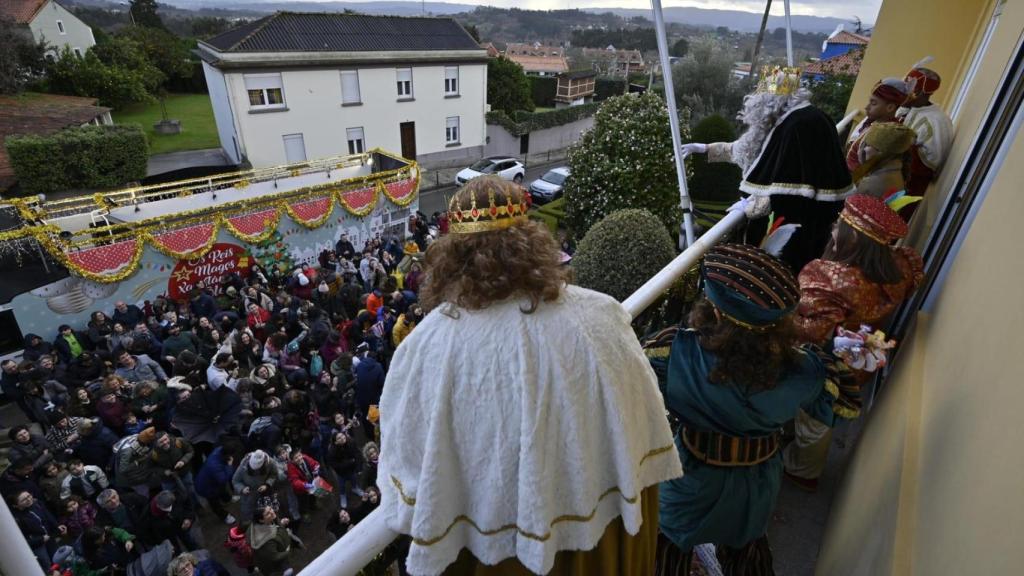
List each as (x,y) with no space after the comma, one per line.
(60,27)
(355,140)
(451,131)
(350,87)
(403,77)
(265,91)
(451,80)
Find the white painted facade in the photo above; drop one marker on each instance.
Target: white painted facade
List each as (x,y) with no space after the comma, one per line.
(312,102)
(59,28)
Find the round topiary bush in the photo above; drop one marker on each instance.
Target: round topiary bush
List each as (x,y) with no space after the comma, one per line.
(621,252)
(714,181)
(624,161)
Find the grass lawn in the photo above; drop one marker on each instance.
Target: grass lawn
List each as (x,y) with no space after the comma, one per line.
(198,129)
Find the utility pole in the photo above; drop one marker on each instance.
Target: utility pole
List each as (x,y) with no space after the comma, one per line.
(757,47)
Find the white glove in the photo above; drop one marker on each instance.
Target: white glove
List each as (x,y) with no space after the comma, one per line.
(740,204)
(758,206)
(694,148)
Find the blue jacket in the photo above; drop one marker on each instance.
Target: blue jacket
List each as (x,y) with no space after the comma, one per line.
(369,383)
(204,306)
(215,475)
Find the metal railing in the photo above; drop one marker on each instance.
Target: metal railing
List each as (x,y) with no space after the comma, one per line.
(357,548)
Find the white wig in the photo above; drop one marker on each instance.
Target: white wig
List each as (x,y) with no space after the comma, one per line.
(760,113)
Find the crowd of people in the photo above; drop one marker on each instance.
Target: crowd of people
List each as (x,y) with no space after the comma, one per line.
(254,401)
(541,445)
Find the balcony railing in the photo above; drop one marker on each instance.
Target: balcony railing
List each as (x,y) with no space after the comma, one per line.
(356,549)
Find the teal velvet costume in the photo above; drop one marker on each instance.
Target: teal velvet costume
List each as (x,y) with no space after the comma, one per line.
(729,506)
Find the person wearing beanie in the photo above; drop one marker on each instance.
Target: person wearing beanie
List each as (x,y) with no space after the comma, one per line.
(734,378)
(169,517)
(255,476)
(860,280)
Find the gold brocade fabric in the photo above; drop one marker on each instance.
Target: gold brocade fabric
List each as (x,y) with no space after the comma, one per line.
(834,294)
(616,554)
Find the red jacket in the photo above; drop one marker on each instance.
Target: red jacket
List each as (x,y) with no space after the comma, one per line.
(298,479)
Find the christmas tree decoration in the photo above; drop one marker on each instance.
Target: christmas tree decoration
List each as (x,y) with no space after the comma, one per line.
(271,253)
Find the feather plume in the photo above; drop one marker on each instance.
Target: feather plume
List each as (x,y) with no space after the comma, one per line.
(774,243)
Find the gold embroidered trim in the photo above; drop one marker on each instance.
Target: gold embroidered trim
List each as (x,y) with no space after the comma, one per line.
(409,500)
(844,412)
(862,230)
(658,352)
(831,387)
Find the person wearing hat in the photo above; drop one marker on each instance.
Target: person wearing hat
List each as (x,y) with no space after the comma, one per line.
(886,97)
(860,280)
(734,378)
(882,159)
(169,517)
(932,126)
(255,476)
(521,434)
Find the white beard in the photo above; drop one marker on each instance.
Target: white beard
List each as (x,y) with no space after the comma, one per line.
(760,113)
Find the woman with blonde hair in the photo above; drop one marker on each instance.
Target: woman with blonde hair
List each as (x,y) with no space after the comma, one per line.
(540,433)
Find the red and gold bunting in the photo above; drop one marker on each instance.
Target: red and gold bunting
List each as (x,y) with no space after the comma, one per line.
(402,192)
(108,263)
(313,212)
(254,227)
(360,201)
(188,242)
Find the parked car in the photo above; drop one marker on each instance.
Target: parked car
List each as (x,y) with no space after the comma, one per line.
(502,166)
(549,186)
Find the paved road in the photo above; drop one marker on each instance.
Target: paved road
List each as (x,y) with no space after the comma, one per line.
(437,200)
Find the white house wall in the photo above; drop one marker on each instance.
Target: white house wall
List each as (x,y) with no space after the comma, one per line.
(222,112)
(76,33)
(313,101)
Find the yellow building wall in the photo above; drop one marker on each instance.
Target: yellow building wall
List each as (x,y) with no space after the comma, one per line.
(934,486)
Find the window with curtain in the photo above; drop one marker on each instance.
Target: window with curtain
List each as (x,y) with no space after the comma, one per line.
(265,90)
(350,87)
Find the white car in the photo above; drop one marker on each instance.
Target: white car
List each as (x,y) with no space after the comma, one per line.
(502,166)
(549,186)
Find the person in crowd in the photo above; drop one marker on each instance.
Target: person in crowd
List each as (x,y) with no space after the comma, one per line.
(860,280)
(69,345)
(50,478)
(340,524)
(128,315)
(213,483)
(88,367)
(345,461)
(144,341)
(34,347)
(138,368)
(303,471)
(20,477)
(28,446)
(178,341)
(187,564)
(169,518)
(110,547)
(734,378)
(133,464)
(79,515)
(84,480)
(96,444)
(120,339)
(247,351)
(202,304)
(370,382)
(171,459)
(495,275)
(38,525)
(405,324)
(113,408)
(125,510)
(368,502)
(222,372)
(151,405)
(933,130)
(100,331)
(271,543)
(257,475)
(62,436)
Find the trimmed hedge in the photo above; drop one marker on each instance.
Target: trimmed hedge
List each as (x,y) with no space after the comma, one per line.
(621,252)
(80,157)
(526,122)
(543,89)
(714,181)
(605,88)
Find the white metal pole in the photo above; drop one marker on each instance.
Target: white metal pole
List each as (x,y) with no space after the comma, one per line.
(789,36)
(673,116)
(16,558)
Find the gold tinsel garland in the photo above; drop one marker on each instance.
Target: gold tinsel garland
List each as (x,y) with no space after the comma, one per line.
(143,231)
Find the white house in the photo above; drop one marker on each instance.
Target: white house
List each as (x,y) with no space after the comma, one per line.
(49,21)
(293,86)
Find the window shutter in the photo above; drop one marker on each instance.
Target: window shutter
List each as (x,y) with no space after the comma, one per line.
(350,87)
(263,81)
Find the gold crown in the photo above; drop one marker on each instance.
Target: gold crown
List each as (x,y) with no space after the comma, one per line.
(778,80)
(493,204)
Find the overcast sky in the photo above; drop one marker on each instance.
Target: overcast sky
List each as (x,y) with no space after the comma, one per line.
(865,9)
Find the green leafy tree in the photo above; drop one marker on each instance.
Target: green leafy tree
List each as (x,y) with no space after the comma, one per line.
(832,94)
(624,161)
(704,82)
(21,59)
(472,32)
(127,53)
(144,13)
(114,85)
(680,48)
(508,88)
(717,181)
(621,252)
(168,53)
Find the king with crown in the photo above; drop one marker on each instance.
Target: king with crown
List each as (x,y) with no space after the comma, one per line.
(793,166)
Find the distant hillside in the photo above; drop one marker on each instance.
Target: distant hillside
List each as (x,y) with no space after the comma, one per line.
(733,19)
(399,8)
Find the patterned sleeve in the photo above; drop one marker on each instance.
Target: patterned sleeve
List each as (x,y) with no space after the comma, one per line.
(914,265)
(822,304)
(720,152)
